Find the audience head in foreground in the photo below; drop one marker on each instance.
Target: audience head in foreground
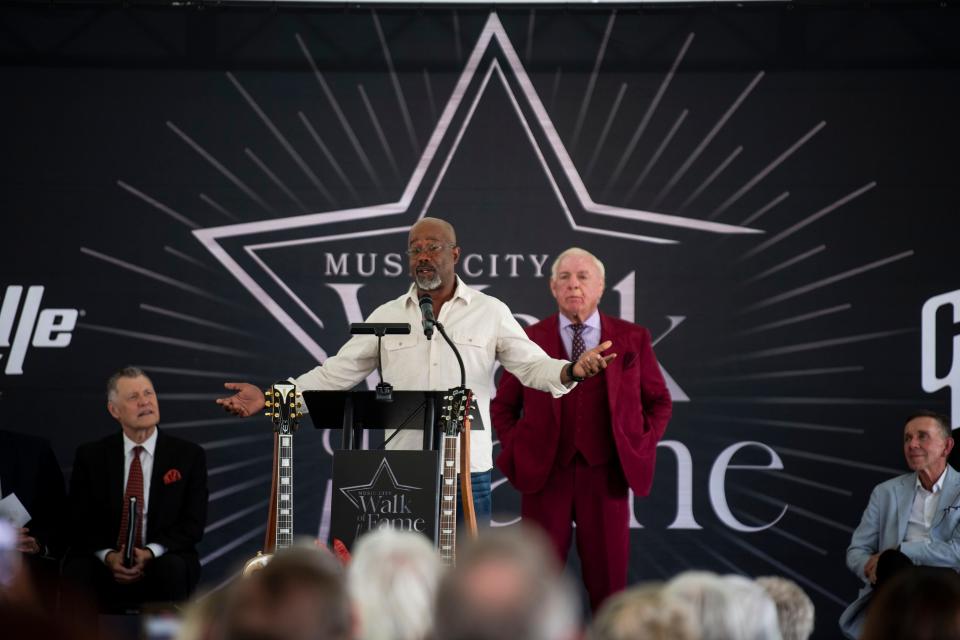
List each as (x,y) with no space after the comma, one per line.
(729,607)
(300,595)
(794,607)
(507,585)
(392,580)
(647,612)
(921,603)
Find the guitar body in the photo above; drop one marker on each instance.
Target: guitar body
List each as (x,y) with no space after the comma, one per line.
(283,407)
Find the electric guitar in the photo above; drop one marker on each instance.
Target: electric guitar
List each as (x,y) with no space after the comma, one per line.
(454,417)
(283,408)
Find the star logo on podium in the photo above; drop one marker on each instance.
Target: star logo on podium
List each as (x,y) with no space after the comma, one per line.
(383,486)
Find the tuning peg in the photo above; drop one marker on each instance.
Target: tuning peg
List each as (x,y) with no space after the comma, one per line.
(268,414)
(293,406)
(299,415)
(268,403)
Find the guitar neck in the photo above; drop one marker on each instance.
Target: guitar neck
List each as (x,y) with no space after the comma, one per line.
(448,502)
(285,492)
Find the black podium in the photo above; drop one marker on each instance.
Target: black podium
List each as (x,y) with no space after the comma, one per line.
(354,411)
(381,488)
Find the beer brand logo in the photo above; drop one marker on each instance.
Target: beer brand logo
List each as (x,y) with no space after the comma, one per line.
(36,327)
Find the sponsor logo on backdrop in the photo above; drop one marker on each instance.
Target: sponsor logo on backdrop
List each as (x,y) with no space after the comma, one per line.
(930,380)
(42,328)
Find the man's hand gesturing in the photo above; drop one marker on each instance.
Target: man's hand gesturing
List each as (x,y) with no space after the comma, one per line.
(593,361)
(247,400)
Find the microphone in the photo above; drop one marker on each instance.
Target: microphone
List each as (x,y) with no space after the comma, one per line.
(426,309)
(131,533)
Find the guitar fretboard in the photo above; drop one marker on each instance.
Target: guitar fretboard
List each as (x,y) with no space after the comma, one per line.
(448,502)
(285,491)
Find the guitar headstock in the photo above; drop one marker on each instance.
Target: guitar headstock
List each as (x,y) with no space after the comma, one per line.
(456,409)
(284,405)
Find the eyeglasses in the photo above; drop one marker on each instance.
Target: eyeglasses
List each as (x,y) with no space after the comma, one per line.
(430,249)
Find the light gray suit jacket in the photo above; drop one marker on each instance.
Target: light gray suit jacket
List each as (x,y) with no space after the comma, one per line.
(884,526)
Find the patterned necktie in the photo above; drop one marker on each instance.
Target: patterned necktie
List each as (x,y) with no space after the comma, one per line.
(134,489)
(578,346)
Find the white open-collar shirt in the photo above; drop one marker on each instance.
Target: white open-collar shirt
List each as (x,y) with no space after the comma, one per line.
(485,332)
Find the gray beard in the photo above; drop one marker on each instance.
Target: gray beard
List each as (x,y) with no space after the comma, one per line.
(431,284)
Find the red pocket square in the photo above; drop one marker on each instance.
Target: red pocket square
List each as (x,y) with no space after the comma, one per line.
(171,476)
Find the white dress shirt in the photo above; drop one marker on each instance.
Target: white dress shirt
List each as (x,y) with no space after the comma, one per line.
(484,330)
(146,464)
(590,333)
(923,510)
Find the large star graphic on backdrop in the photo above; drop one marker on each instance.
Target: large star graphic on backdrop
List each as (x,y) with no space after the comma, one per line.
(485,63)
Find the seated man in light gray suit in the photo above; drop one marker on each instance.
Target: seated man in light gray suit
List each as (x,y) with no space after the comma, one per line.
(912,519)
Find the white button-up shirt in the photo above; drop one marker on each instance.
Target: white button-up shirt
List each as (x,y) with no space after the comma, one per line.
(146,464)
(923,510)
(484,330)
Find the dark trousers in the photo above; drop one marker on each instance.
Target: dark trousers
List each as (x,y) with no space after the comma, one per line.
(169,578)
(596,499)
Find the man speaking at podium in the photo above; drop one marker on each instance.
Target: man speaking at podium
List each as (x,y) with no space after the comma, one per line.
(481,326)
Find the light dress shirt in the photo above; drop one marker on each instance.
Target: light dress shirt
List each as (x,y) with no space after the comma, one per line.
(146,464)
(923,510)
(590,333)
(484,330)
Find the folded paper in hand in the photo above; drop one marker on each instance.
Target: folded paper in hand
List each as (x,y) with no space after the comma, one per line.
(13,511)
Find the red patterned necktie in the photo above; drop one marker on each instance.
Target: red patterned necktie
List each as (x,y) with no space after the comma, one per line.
(134,489)
(578,346)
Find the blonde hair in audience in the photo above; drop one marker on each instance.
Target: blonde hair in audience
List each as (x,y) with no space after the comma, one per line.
(644,611)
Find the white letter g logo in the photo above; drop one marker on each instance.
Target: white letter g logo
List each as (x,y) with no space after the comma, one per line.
(928,364)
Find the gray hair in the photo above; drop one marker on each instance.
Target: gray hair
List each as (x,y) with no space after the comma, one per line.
(392,579)
(577,251)
(125,372)
(730,607)
(794,607)
(754,611)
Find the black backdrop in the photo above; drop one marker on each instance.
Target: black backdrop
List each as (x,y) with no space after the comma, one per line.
(139,144)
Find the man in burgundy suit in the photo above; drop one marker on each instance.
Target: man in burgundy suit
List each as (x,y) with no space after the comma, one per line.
(574,458)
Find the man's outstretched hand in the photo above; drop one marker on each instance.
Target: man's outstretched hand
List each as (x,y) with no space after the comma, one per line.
(247,400)
(593,361)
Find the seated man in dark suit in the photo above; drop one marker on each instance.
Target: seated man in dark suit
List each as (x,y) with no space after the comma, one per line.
(167,475)
(29,470)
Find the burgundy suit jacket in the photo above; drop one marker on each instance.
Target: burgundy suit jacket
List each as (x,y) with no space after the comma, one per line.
(527,421)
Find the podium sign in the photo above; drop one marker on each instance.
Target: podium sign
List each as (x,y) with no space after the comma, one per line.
(377,489)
